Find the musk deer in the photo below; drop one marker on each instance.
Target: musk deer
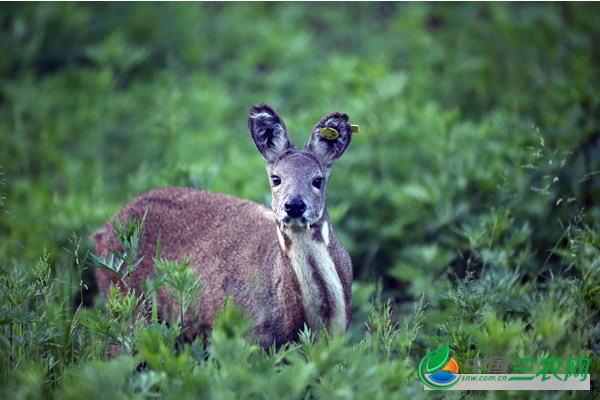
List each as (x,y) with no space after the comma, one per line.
(284,266)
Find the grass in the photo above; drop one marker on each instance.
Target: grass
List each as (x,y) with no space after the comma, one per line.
(467,201)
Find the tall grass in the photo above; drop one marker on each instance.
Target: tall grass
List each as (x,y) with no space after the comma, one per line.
(467,202)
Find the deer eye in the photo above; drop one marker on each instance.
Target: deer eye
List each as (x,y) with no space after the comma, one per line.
(317,183)
(276,180)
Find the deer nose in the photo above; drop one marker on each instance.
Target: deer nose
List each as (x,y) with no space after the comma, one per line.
(295,207)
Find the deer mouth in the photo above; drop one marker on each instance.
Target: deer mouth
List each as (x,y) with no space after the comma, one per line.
(298,223)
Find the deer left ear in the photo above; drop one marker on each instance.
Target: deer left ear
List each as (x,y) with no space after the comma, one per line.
(329,139)
(269,133)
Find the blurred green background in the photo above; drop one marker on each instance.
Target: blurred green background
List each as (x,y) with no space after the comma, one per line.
(473,182)
(479,142)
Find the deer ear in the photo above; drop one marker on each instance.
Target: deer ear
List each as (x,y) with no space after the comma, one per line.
(330,138)
(268,132)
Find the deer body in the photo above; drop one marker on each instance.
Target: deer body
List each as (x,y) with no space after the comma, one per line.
(284,266)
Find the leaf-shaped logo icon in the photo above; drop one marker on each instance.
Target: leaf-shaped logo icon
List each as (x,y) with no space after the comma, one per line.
(434,361)
(437,358)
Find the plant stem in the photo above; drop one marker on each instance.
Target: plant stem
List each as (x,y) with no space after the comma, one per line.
(154,295)
(129,273)
(10,346)
(181,312)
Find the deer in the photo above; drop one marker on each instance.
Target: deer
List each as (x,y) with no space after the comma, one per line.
(284,266)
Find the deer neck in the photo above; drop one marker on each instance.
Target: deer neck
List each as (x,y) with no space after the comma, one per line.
(308,252)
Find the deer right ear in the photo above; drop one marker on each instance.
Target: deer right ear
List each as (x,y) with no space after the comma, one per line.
(329,139)
(268,132)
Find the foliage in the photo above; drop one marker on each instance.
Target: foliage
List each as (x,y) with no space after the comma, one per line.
(182,284)
(468,196)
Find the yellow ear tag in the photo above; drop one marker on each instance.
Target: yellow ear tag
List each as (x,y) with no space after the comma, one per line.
(355,128)
(329,133)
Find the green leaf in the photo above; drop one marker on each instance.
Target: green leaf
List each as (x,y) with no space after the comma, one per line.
(438,358)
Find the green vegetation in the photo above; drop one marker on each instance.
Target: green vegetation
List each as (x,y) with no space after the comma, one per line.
(469,194)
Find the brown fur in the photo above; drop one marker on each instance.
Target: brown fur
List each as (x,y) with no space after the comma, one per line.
(235,245)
